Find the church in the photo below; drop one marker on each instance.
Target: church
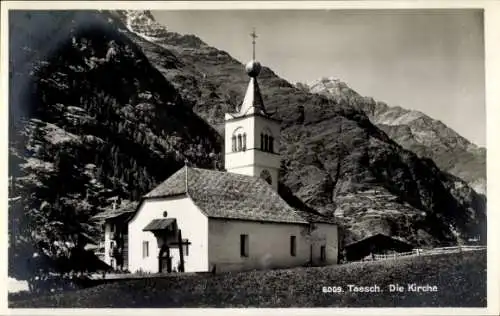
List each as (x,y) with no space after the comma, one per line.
(201,220)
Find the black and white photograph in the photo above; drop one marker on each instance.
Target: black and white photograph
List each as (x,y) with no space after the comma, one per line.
(247,158)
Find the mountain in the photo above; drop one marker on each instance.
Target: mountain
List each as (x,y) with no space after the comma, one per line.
(105,105)
(415,131)
(334,159)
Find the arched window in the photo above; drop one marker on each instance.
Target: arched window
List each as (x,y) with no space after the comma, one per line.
(264,174)
(239,140)
(234,143)
(267,141)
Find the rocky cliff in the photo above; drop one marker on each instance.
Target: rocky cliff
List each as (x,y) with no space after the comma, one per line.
(415,131)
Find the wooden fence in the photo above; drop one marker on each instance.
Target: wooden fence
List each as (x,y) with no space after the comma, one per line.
(424,252)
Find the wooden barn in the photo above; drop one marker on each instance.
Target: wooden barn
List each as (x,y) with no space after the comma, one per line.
(375,244)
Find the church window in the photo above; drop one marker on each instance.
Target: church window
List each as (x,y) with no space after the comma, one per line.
(293,246)
(264,174)
(244,245)
(239,140)
(234,143)
(267,141)
(145,249)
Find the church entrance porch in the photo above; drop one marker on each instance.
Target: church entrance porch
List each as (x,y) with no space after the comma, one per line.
(173,249)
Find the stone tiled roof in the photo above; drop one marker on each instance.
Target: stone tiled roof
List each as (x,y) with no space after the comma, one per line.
(228,195)
(225,195)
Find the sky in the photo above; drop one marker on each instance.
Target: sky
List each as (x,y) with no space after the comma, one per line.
(426,60)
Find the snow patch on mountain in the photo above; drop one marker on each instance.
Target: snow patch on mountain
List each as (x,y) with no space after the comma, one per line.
(396,117)
(331,86)
(147,38)
(479,186)
(144,25)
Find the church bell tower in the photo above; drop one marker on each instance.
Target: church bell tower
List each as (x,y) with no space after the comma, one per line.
(252,134)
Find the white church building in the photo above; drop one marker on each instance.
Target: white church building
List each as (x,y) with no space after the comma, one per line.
(203,220)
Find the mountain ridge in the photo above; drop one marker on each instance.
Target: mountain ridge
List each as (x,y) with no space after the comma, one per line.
(416,131)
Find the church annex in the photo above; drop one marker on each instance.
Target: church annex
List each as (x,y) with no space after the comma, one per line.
(204,220)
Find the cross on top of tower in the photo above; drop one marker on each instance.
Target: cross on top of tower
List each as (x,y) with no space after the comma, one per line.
(254,36)
(253,67)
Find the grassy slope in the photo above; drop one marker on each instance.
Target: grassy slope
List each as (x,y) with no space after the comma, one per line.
(461,281)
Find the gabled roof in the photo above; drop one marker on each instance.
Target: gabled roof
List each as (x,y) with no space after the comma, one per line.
(231,196)
(224,195)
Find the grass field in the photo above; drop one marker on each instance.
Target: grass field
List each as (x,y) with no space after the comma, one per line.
(460,279)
